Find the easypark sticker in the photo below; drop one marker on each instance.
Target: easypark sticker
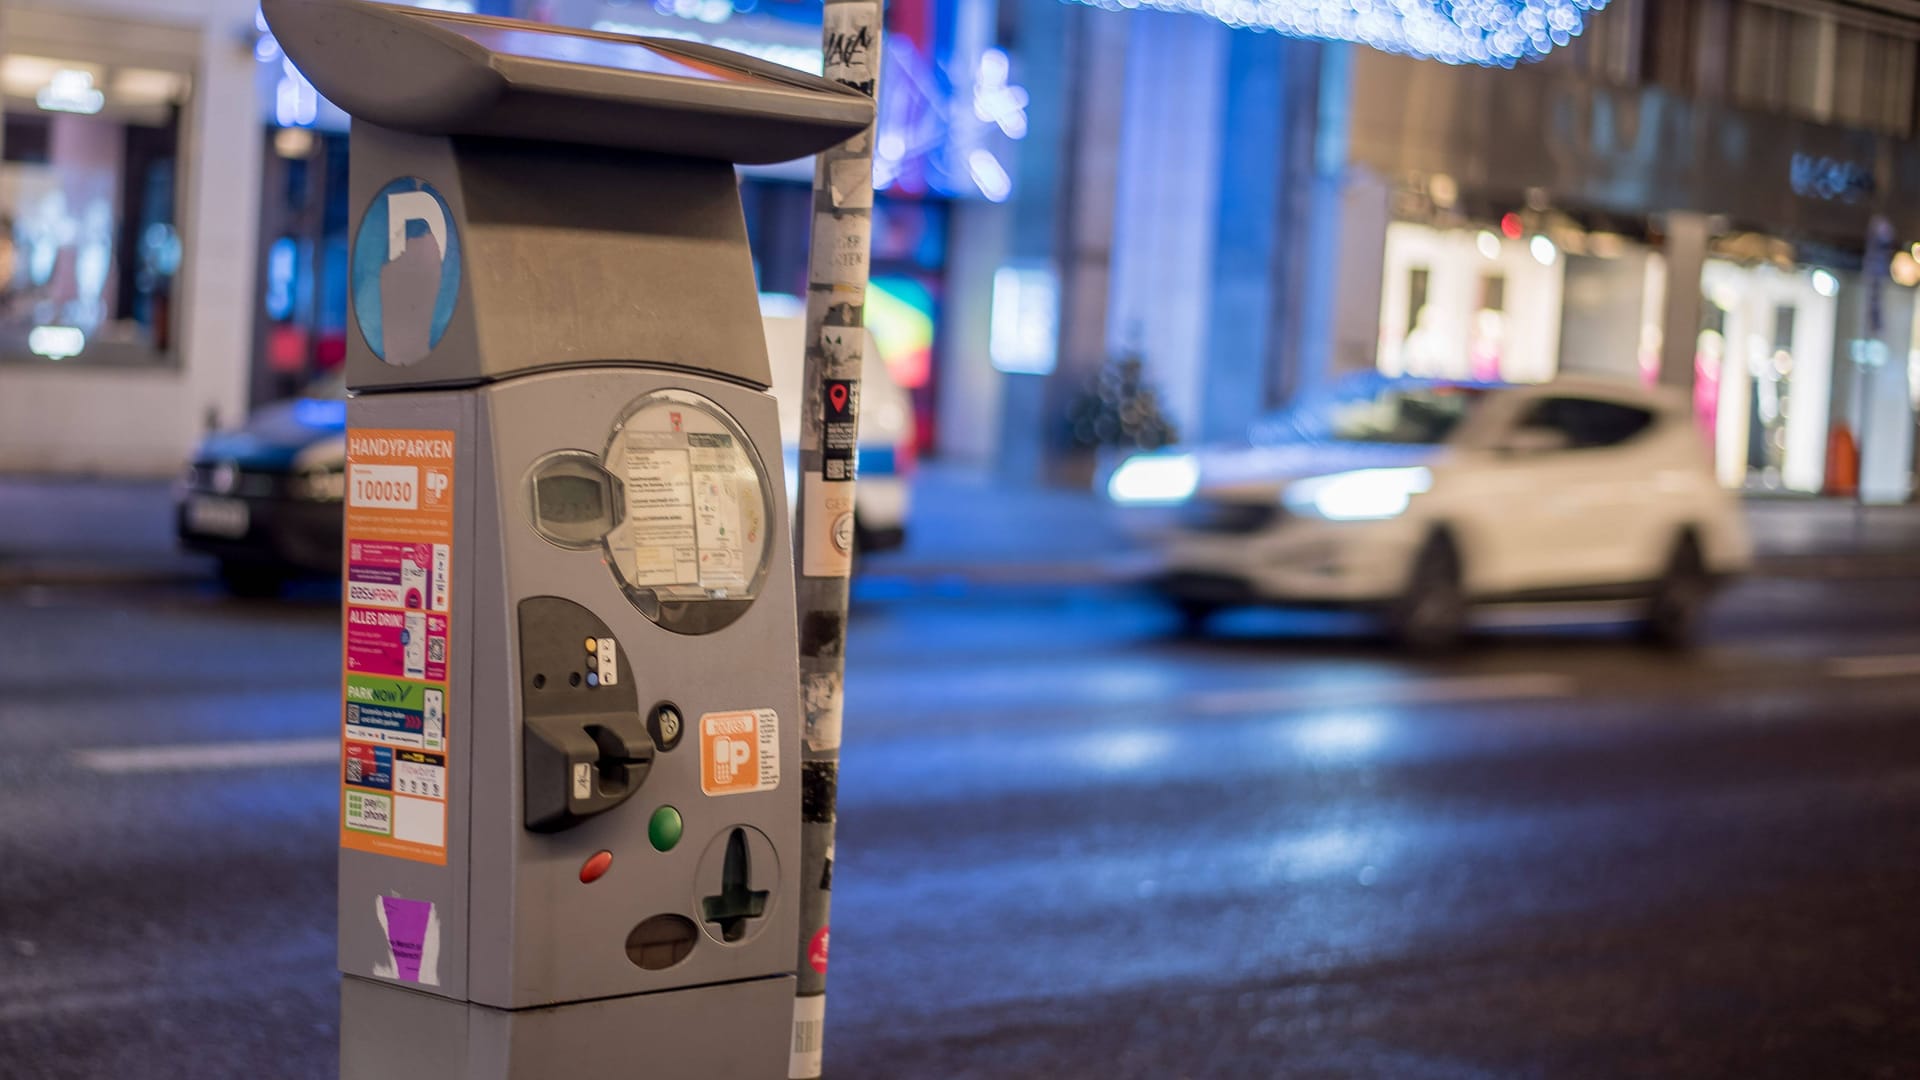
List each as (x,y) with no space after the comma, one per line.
(739,752)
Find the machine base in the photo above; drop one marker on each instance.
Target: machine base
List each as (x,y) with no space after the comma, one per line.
(732,1031)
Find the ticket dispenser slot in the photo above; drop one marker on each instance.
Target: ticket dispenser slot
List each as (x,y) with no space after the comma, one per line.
(587,749)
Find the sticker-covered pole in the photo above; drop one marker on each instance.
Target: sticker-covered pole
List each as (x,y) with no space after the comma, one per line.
(823,526)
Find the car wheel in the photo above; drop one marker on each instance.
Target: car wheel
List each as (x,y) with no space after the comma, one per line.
(1679,598)
(251,579)
(1431,615)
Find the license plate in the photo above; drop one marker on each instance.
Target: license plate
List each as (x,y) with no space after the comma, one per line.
(217,517)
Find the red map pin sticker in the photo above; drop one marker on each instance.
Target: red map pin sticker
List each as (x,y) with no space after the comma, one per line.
(837,393)
(817,951)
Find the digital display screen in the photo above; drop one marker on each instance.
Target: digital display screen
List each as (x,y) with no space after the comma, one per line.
(566,48)
(570,500)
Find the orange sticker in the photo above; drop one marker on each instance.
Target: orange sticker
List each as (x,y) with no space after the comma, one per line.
(739,752)
(396,643)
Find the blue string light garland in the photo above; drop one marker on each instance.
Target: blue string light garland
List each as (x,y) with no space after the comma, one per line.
(1495,33)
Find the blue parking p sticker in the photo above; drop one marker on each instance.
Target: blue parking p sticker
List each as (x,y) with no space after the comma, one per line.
(406,271)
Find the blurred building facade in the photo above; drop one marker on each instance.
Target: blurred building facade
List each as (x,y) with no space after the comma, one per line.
(1681,193)
(173,206)
(1684,194)
(937,157)
(129,188)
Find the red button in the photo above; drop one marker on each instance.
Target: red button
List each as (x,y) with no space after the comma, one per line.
(591,870)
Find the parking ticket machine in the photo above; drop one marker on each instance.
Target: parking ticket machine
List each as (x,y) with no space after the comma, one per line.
(570,791)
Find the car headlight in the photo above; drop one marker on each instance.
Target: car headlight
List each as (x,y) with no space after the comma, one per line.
(1360,495)
(321,485)
(320,471)
(1154,478)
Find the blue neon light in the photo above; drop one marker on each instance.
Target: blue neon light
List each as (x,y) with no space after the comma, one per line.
(1489,32)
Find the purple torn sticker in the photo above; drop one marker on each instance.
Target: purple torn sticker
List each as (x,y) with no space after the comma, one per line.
(407,933)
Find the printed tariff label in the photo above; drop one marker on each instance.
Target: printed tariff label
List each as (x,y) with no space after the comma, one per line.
(739,752)
(396,631)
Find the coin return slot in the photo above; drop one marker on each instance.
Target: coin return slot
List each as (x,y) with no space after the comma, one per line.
(661,942)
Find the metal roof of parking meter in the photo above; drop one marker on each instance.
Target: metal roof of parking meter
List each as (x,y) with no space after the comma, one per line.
(506,130)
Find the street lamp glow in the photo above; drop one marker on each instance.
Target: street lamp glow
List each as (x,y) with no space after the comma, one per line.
(71,91)
(1488,244)
(989,175)
(1825,283)
(56,342)
(1543,250)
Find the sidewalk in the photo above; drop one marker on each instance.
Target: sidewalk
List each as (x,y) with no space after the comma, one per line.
(964,532)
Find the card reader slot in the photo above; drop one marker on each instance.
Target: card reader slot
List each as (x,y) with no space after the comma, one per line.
(585,747)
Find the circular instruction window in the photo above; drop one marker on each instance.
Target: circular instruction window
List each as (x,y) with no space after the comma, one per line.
(692,546)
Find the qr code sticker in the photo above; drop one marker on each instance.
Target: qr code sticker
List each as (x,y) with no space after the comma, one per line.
(437,650)
(353,770)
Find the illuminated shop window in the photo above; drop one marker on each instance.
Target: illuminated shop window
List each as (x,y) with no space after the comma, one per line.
(89,190)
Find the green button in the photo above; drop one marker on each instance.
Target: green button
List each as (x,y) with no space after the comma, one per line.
(664,828)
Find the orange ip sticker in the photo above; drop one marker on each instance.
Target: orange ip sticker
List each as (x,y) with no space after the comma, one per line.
(739,752)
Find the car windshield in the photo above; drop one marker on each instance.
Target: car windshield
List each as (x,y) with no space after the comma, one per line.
(1411,415)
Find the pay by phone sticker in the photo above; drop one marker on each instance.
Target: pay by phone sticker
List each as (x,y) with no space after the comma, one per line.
(396,638)
(739,752)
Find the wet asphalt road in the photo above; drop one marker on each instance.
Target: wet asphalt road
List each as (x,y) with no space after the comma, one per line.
(1074,846)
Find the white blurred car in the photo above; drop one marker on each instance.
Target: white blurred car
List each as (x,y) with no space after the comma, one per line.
(887,431)
(1420,500)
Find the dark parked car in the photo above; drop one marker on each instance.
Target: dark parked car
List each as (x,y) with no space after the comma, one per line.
(265,499)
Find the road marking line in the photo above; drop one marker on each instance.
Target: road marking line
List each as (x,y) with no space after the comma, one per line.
(1873,667)
(1420,692)
(197,756)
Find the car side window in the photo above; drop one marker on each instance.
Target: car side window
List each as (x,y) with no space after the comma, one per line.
(1585,423)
